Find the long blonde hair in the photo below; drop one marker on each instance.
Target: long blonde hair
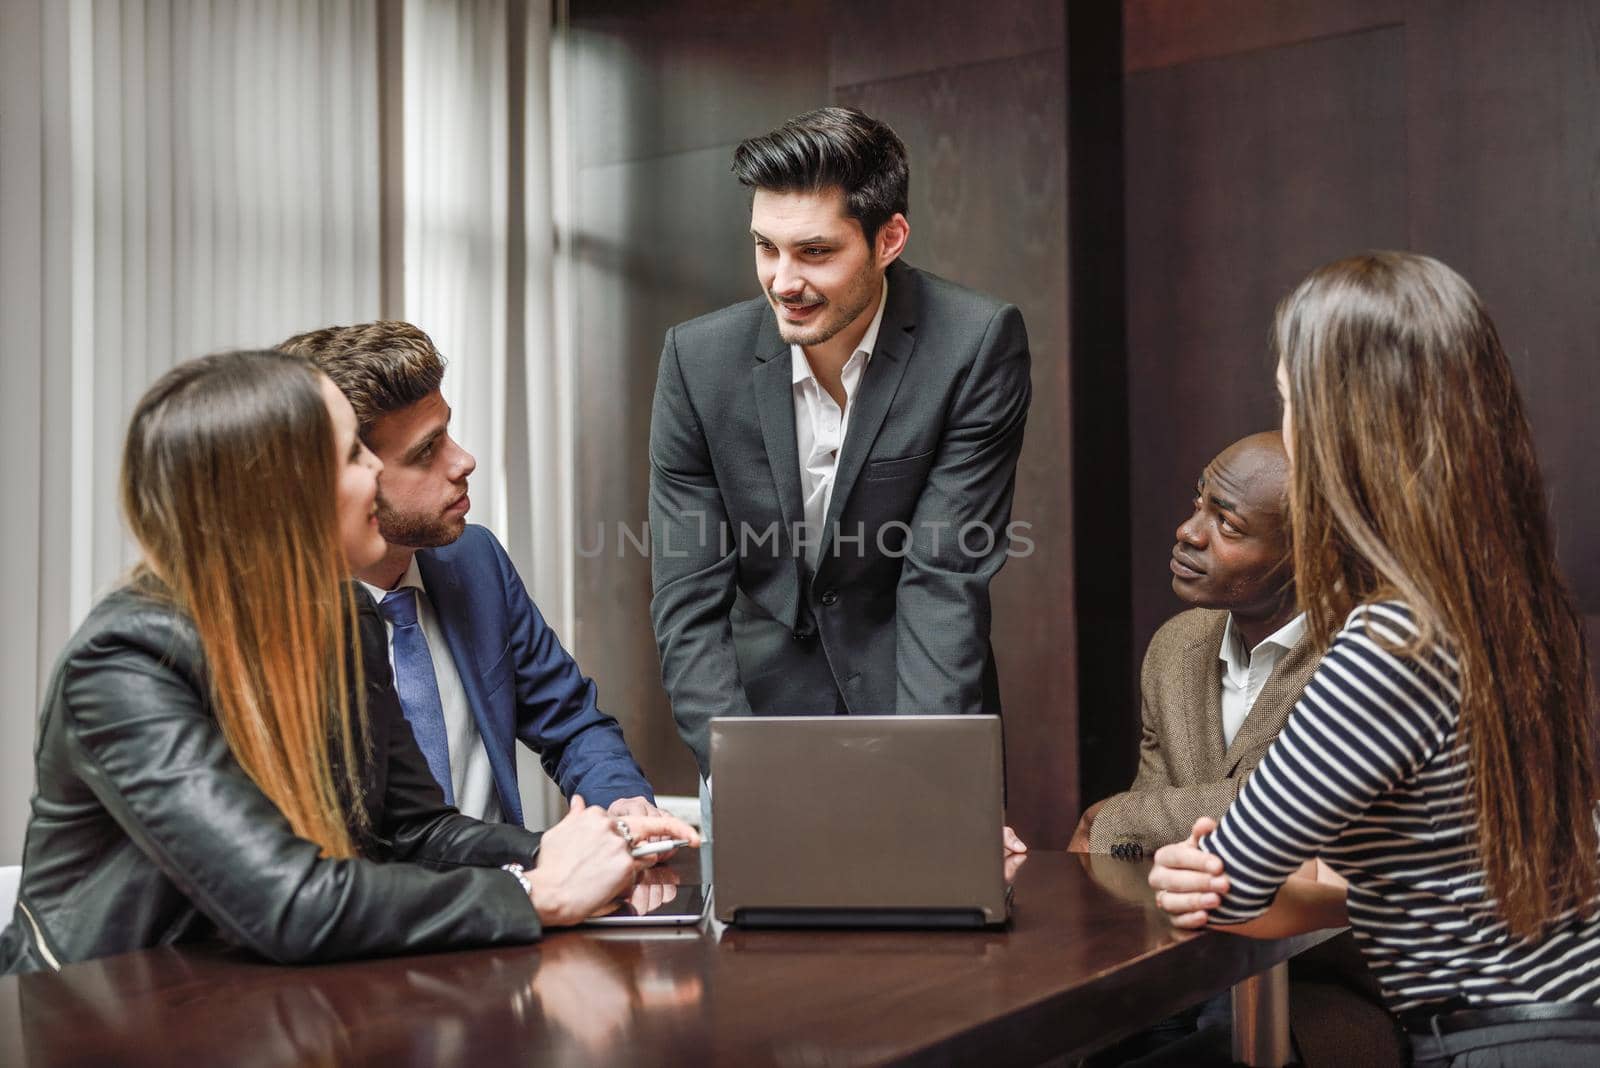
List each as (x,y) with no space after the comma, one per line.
(1415,478)
(228,484)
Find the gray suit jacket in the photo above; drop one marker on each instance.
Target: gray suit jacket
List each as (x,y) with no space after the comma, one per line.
(896,617)
(1184,771)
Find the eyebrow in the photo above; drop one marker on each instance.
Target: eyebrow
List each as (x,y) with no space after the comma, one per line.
(1221,502)
(815,239)
(416,450)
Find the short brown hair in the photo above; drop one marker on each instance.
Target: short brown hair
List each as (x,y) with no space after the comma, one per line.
(381,367)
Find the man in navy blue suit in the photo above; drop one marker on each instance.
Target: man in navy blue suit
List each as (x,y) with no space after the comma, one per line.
(476,666)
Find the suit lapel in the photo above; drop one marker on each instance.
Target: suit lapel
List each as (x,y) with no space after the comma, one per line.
(774,386)
(896,339)
(1274,703)
(1204,670)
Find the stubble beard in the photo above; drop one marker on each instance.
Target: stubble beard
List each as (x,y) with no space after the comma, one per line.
(418,532)
(805,337)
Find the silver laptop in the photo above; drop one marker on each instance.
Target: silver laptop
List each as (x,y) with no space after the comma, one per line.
(880,821)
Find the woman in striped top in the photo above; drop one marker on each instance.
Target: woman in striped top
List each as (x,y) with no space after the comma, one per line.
(1442,760)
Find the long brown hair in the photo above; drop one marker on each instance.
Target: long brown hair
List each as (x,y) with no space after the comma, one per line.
(228,484)
(1415,478)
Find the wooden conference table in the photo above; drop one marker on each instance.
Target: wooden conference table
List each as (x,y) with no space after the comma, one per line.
(1085,961)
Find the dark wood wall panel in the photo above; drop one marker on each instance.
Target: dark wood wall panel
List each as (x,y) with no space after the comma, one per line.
(885,39)
(988,209)
(1504,179)
(654,78)
(1243,173)
(1164,33)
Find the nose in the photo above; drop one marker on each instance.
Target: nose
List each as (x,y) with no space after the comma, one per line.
(786,281)
(1191,531)
(464,463)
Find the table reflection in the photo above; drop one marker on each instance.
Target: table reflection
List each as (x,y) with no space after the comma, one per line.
(572,999)
(602,992)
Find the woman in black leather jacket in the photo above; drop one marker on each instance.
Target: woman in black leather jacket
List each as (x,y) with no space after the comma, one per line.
(278,801)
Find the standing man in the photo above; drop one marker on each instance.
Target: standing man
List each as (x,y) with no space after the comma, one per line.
(832,463)
(475,664)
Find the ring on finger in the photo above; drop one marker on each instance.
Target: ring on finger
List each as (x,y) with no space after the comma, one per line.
(627,835)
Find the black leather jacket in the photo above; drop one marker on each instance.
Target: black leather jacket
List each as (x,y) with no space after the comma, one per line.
(145,831)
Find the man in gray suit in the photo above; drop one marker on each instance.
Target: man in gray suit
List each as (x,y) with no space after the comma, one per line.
(832,463)
(1220,679)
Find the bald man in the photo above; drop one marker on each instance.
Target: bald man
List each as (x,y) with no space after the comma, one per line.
(1219,679)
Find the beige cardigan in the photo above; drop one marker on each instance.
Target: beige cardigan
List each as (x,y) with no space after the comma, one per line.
(1184,772)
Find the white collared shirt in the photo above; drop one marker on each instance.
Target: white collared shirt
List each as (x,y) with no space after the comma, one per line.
(1244,673)
(820,426)
(471,776)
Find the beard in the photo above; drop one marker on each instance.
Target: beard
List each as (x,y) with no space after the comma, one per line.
(417,531)
(864,288)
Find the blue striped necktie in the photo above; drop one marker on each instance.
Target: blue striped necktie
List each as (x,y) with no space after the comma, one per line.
(417,685)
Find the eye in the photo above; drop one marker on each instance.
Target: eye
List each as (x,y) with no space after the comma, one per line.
(764,246)
(815,251)
(1228,527)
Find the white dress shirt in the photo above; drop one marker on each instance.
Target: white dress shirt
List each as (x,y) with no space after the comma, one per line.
(820,426)
(471,776)
(1244,673)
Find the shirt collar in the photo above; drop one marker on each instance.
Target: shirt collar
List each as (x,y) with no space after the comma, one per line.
(1284,638)
(800,367)
(412,577)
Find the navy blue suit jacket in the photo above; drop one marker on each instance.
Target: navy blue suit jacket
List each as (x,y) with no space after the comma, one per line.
(520,682)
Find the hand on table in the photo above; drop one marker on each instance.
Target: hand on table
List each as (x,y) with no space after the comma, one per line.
(1080,837)
(1010,842)
(1009,866)
(1188,881)
(583,861)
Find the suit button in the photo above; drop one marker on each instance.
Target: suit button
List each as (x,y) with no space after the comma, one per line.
(829,598)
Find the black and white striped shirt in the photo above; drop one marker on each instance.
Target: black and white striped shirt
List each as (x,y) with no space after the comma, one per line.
(1367,774)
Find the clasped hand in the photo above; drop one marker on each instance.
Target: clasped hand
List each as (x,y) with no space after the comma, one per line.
(1188,881)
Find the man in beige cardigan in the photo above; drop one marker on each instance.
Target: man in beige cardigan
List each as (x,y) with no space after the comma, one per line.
(1219,679)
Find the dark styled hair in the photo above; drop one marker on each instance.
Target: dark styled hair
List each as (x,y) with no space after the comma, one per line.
(1415,478)
(381,367)
(827,148)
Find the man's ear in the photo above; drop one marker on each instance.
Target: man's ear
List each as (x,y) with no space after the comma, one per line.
(891,239)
